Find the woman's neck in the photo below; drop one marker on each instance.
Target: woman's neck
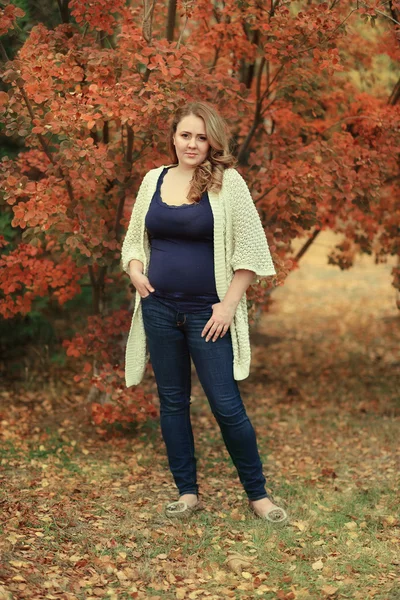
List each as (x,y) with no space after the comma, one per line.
(184,171)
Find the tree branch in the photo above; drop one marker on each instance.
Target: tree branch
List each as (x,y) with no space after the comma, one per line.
(171,18)
(395,95)
(64,10)
(257,115)
(147,25)
(307,244)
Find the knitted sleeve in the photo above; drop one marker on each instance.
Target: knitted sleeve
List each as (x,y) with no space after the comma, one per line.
(132,247)
(250,246)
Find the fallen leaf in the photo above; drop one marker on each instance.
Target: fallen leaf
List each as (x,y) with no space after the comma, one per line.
(318,565)
(14,537)
(4,594)
(74,558)
(238,562)
(234,554)
(329,590)
(390,520)
(193,595)
(301,525)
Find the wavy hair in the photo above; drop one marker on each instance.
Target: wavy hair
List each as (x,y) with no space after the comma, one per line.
(208,174)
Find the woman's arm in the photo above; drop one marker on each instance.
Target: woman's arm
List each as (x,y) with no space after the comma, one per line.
(224,311)
(238,286)
(251,258)
(250,245)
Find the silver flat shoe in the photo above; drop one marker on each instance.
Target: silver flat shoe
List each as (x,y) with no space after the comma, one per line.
(276,514)
(181,509)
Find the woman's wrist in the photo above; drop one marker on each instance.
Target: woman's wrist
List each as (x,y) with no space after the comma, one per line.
(135,266)
(238,286)
(230,303)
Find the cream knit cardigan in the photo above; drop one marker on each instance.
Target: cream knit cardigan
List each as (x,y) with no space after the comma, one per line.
(239,243)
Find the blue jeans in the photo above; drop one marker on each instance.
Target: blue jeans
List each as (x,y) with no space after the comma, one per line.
(173,338)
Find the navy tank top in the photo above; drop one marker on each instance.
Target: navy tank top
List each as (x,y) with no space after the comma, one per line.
(181,268)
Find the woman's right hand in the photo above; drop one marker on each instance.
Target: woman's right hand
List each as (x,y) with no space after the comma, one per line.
(141,283)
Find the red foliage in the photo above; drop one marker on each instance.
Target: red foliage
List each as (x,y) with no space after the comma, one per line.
(318,148)
(136,408)
(29,274)
(102,344)
(8,16)
(100,15)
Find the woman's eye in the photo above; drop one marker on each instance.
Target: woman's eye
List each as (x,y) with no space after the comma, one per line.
(203,139)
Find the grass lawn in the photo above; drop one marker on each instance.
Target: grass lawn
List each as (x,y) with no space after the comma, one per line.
(82,513)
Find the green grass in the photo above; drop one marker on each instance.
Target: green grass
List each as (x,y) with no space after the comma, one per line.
(90,508)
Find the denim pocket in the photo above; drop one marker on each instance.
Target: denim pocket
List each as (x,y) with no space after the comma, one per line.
(145,298)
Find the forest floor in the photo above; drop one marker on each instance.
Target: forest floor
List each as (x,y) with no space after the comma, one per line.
(82,513)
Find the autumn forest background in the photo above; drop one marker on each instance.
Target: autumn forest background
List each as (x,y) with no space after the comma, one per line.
(311,92)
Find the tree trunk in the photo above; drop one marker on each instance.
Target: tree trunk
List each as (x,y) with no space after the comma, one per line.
(171,20)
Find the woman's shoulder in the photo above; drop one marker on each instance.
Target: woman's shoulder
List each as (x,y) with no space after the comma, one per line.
(229,172)
(154,172)
(233,183)
(232,174)
(151,175)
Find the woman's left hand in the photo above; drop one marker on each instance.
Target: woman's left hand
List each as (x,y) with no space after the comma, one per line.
(220,321)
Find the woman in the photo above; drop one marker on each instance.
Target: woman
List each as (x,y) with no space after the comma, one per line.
(194,244)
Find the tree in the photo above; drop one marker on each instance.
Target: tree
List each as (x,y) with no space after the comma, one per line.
(92,97)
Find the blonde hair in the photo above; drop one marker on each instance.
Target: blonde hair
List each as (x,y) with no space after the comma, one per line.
(209,174)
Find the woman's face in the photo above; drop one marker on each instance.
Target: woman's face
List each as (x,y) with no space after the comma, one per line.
(191,144)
